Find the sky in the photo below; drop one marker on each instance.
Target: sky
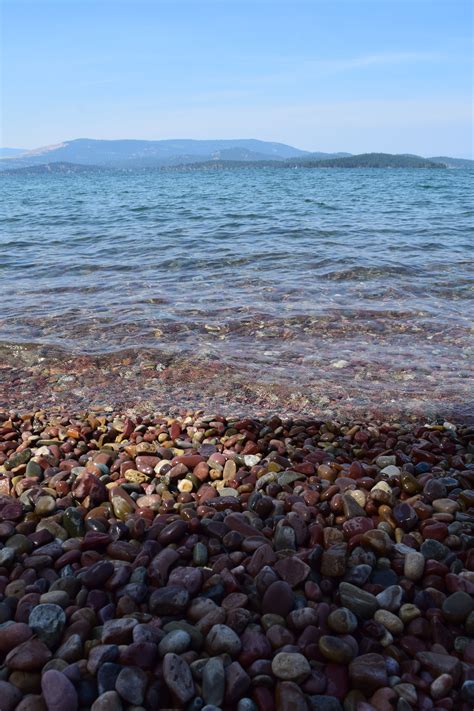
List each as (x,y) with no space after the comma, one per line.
(323,75)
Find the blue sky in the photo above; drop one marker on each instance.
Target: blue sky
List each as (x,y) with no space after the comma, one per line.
(354,75)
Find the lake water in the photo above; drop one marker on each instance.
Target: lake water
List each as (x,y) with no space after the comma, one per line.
(329,291)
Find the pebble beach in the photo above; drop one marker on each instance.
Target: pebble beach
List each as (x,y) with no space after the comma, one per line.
(237,441)
(210,562)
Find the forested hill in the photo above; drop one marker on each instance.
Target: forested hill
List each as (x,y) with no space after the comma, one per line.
(364,160)
(371,160)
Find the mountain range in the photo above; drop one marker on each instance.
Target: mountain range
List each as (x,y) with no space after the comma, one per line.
(137,154)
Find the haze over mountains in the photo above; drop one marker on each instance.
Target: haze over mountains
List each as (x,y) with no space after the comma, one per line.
(138,154)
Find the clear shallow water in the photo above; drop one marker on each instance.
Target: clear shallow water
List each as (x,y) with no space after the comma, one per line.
(357,281)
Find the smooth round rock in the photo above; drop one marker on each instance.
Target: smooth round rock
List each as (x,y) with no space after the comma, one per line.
(278,599)
(58,692)
(335,649)
(342,620)
(131,684)
(177,676)
(290,666)
(110,701)
(221,639)
(10,696)
(457,607)
(414,566)
(176,641)
(213,682)
(368,672)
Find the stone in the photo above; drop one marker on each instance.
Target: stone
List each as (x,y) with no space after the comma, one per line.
(278,599)
(107,676)
(13,634)
(292,570)
(343,621)
(414,566)
(289,696)
(131,685)
(445,506)
(291,666)
(47,621)
(322,702)
(10,696)
(390,471)
(177,641)
(237,682)
(457,606)
(28,656)
(439,664)
(97,575)
(173,532)
(58,691)
(389,621)
(360,602)
(432,549)
(368,672)
(110,701)
(213,682)
(333,561)
(441,686)
(186,577)
(467,691)
(100,654)
(172,600)
(177,676)
(71,650)
(351,508)
(390,598)
(221,639)
(31,702)
(405,516)
(407,692)
(335,649)
(118,631)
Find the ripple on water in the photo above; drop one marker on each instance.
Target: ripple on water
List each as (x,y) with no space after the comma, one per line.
(279,272)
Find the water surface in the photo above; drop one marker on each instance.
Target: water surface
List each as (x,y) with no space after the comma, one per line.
(340,290)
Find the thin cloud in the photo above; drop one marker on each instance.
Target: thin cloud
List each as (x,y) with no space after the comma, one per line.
(371,60)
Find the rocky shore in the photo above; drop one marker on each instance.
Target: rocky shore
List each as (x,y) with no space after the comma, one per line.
(195,562)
